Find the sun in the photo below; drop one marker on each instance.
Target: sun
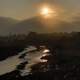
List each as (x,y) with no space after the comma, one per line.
(47,12)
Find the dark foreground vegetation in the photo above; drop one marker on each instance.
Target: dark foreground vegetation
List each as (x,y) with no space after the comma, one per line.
(63,61)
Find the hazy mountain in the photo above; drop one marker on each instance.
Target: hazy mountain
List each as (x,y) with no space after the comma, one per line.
(37,24)
(40,25)
(5,24)
(25,26)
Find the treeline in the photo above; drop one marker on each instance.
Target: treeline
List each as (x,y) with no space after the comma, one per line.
(63,61)
(68,43)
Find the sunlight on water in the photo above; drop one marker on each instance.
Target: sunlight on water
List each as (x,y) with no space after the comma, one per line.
(46,50)
(44,55)
(43,60)
(29,54)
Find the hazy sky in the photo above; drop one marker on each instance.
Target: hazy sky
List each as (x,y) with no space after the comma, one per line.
(22,9)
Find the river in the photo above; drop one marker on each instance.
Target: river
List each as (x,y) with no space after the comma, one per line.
(30,54)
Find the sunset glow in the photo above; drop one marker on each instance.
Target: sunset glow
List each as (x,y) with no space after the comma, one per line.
(47,12)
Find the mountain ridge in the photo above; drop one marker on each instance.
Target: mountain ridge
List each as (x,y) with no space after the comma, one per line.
(37,24)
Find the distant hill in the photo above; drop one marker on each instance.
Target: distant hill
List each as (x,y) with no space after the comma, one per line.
(34,24)
(38,24)
(41,25)
(5,24)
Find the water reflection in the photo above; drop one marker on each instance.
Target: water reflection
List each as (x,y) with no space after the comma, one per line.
(34,57)
(44,60)
(25,60)
(46,51)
